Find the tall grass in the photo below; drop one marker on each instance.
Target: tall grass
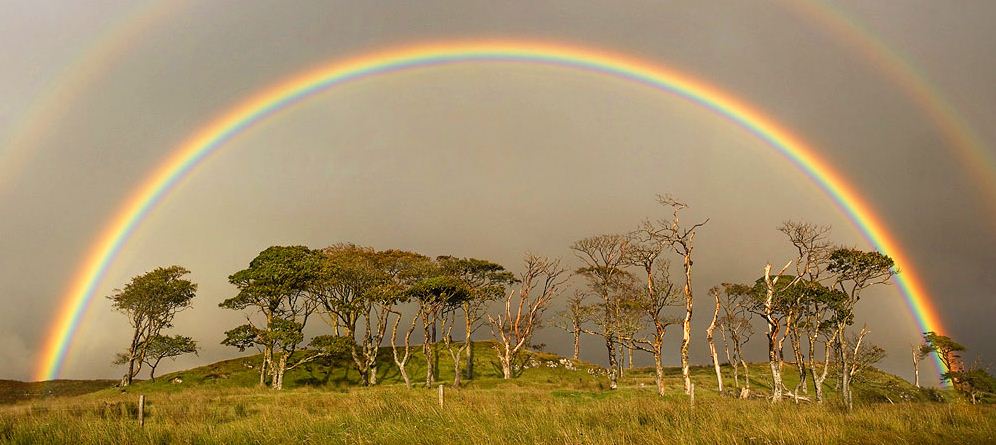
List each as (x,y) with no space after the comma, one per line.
(502,414)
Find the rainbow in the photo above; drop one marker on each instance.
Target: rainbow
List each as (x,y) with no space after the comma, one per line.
(978,160)
(211,137)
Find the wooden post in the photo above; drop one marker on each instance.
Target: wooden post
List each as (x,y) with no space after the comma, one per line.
(440,395)
(141,410)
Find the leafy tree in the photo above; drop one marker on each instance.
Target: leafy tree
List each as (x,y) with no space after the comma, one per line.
(353,288)
(437,296)
(162,346)
(150,301)
(486,282)
(275,289)
(854,271)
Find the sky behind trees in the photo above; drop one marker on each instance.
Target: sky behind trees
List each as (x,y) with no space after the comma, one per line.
(482,160)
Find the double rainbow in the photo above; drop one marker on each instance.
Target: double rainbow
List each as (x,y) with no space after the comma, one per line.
(183,160)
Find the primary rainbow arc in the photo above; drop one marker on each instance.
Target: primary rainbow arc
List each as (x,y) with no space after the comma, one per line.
(257,108)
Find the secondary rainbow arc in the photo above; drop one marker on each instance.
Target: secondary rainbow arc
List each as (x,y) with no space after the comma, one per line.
(184,159)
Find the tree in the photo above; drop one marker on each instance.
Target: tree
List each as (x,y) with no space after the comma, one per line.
(486,281)
(573,318)
(919,352)
(162,346)
(404,269)
(854,271)
(813,247)
(437,296)
(646,246)
(355,295)
(682,240)
(603,257)
(150,301)
(541,281)
(772,297)
(947,350)
(275,287)
(737,322)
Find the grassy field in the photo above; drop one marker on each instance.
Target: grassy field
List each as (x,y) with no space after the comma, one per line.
(219,404)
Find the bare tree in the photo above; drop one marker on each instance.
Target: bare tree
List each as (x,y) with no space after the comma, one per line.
(646,246)
(682,240)
(573,318)
(604,256)
(541,281)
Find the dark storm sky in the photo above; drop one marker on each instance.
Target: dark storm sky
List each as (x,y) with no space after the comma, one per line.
(485,160)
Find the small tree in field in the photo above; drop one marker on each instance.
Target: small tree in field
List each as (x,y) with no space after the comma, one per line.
(150,301)
(542,280)
(162,346)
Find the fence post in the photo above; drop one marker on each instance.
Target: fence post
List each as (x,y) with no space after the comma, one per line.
(440,395)
(141,410)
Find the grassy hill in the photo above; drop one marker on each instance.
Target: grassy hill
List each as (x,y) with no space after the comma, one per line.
(12,391)
(547,403)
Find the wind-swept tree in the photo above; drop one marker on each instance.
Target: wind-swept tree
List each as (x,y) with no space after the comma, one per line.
(150,301)
(513,327)
(275,292)
(486,282)
(162,346)
(436,296)
(354,295)
(854,271)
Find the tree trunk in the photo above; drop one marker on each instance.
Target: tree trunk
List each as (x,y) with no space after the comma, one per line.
(610,346)
(577,343)
(278,378)
(712,344)
(800,360)
(469,329)
(428,329)
(776,372)
(686,325)
(845,380)
(266,365)
(916,368)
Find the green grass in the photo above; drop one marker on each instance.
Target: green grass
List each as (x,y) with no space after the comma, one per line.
(220,404)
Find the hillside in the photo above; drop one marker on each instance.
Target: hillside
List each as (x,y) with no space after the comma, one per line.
(547,370)
(547,403)
(12,391)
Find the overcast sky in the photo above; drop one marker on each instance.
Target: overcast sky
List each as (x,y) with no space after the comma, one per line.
(486,160)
